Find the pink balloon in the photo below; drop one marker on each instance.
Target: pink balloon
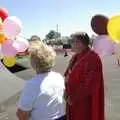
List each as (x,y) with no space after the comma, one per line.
(12,26)
(8,48)
(1,55)
(0,48)
(104,46)
(21,44)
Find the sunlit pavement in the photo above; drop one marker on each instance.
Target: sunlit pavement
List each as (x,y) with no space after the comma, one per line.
(112,86)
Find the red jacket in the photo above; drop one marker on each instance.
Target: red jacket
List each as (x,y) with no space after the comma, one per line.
(85,87)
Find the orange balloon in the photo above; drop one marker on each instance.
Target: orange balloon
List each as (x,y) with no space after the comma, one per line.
(3,38)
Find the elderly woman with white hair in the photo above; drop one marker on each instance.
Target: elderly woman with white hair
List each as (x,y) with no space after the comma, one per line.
(42,97)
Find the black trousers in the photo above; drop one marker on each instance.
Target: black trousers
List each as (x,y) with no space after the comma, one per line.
(61,118)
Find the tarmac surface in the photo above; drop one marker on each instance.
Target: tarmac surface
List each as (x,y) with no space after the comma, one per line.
(111,78)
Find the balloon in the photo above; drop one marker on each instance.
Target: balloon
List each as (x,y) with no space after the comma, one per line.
(1,24)
(21,44)
(9,61)
(12,26)
(104,46)
(99,24)
(2,38)
(0,49)
(8,49)
(114,28)
(1,55)
(1,21)
(1,27)
(3,13)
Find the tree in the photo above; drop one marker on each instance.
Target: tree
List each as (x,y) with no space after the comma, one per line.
(50,35)
(53,35)
(57,35)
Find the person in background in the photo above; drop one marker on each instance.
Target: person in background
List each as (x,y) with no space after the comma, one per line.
(66,54)
(42,97)
(84,92)
(118,61)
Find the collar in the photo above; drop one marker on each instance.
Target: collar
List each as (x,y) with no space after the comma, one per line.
(84,51)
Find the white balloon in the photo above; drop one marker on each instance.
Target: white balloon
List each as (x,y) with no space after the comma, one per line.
(104,46)
(12,26)
(21,44)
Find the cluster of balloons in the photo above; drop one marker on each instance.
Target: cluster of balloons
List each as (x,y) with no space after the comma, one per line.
(108,31)
(10,41)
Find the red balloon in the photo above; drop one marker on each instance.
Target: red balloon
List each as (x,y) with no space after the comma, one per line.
(99,24)
(3,13)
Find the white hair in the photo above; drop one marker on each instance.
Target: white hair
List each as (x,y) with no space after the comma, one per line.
(42,56)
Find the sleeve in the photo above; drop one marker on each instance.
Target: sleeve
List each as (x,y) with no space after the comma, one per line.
(90,82)
(66,72)
(27,97)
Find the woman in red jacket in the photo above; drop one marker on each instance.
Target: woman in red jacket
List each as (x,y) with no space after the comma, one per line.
(84,82)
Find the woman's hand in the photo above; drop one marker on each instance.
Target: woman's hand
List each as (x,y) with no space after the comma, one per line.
(22,115)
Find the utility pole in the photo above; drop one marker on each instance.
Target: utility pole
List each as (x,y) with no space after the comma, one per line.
(57,28)
(57,32)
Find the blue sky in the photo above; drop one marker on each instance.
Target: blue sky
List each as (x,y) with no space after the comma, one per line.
(40,16)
